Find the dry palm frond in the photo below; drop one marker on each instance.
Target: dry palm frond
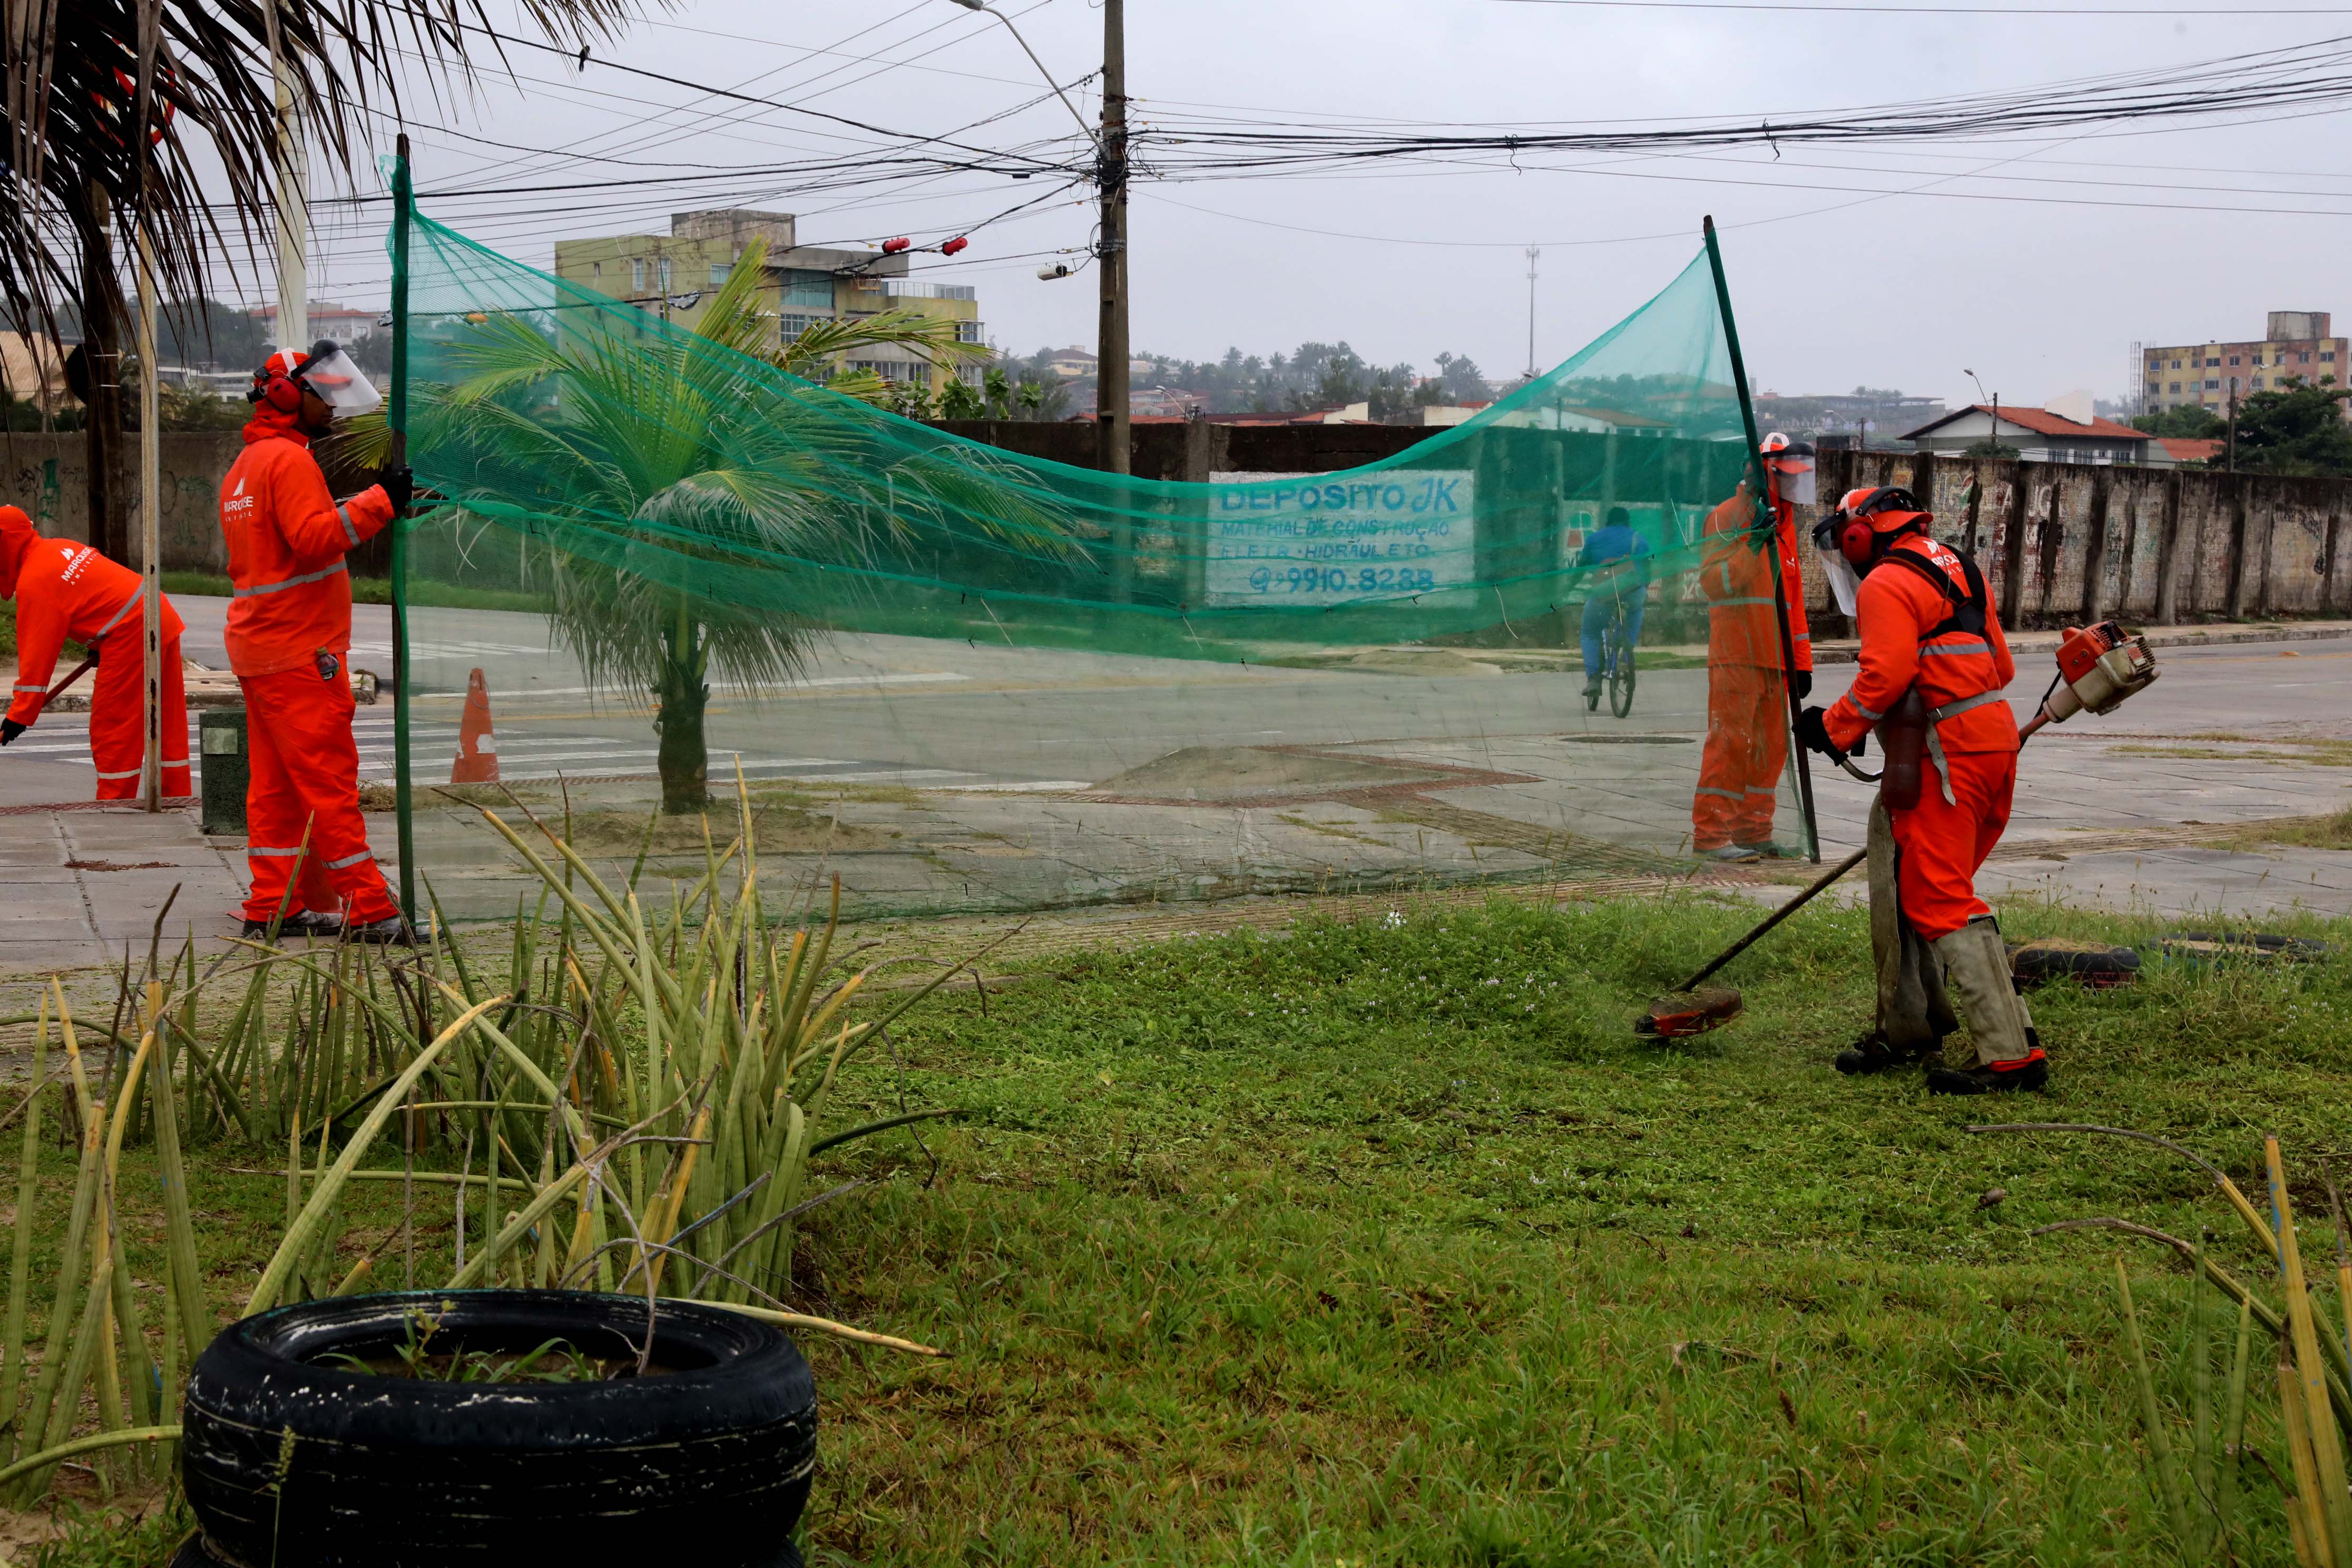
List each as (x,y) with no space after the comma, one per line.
(115,105)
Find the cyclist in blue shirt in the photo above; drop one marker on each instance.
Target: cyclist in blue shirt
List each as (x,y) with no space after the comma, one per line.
(1622,557)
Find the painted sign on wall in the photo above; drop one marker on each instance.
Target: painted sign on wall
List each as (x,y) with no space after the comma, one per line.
(1305,540)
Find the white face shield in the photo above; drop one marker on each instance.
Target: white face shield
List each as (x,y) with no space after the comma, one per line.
(1844,583)
(340,384)
(1796,481)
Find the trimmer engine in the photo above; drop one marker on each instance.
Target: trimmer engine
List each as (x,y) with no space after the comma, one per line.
(2098,666)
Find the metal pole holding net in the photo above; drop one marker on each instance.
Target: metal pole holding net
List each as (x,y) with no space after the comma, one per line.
(1769,526)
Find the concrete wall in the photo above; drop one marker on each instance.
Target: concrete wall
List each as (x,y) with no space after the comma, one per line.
(1193,450)
(48,476)
(2063,543)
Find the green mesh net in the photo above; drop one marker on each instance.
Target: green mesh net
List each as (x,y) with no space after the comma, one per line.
(966,680)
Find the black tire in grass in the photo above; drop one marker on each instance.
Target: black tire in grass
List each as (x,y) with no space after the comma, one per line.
(290,1460)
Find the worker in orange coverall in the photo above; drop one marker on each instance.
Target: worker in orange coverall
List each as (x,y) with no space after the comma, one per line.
(64,590)
(1927,620)
(1746,704)
(289,636)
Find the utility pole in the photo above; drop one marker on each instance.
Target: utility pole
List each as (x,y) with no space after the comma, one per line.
(150,438)
(102,361)
(293,201)
(1533,253)
(1111,454)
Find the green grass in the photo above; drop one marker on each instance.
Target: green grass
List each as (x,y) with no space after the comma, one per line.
(1388,1244)
(1391,1244)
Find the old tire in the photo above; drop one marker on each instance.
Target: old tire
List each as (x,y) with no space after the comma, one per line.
(712,1459)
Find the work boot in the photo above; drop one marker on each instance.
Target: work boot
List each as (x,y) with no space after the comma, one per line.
(1731,854)
(1992,1077)
(1592,693)
(304,924)
(389,932)
(2008,1051)
(1872,1054)
(1767,850)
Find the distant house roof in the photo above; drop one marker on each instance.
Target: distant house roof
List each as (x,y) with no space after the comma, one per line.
(2041,421)
(2181,449)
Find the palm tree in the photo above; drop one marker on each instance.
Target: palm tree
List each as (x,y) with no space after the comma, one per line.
(114,106)
(703,495)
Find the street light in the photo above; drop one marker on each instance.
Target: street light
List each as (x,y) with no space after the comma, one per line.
(1994,439)
(982,7)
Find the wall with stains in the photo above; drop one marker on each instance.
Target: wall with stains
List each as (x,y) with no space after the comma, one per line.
(2063,543)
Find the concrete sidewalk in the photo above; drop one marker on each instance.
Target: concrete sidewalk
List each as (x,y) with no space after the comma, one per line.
(982,770)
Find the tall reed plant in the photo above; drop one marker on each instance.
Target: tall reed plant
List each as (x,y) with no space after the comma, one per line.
(633,1108)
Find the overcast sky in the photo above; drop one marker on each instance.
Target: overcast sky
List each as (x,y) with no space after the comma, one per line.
(1834,286)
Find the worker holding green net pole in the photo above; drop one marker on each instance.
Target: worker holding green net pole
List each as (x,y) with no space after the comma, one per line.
(1747,735)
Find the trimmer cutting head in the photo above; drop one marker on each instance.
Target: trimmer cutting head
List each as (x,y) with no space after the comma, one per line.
(1679,1015)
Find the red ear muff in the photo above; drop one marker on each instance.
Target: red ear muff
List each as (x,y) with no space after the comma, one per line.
(282,394)
(1855,540)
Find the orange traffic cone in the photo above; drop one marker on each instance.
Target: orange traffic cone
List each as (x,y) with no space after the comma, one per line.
(477,748)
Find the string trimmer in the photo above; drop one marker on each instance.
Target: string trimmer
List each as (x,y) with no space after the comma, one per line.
(2098,668)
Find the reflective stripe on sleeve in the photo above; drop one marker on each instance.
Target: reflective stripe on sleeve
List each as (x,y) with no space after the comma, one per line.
(319,576)
(1866,713)
(349,860)
(128,606)
(343,512)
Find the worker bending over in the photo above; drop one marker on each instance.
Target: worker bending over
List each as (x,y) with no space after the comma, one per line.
(1928,621)
(1747,705)
(64,589)
(290,639)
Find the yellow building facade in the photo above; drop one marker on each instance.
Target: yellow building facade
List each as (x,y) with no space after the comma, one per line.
(2194,375)
(674,275)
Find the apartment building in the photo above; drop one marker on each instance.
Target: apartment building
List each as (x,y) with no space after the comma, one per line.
(2293,344)
(674,275)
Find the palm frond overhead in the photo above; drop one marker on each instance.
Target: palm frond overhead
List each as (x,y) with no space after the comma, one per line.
(84,79)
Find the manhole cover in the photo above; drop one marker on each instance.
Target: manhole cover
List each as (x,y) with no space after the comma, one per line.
(1627,739)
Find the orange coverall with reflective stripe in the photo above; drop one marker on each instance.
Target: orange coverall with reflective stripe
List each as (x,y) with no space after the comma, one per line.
(65,589)
(1747,699)
(1964,805)
(292,609)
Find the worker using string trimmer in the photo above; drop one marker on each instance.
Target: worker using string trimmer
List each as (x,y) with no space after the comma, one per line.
(63,589)
(1933,666)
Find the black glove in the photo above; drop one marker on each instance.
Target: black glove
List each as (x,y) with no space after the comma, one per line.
(9,731)
(1801,681)
(399,483)
(1814,734)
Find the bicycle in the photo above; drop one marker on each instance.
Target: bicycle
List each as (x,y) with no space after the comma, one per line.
(1616,665)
